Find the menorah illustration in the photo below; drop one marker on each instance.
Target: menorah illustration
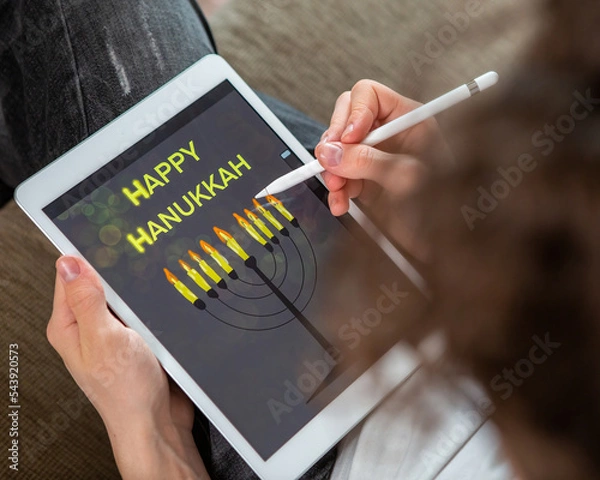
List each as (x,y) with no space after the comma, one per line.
(224,276)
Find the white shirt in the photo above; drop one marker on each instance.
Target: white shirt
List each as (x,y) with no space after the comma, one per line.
(427,429)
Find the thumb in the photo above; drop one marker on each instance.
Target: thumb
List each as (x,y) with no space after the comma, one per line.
(394,172)
(85,297)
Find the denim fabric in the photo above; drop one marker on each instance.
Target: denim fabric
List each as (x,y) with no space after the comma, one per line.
(68,67)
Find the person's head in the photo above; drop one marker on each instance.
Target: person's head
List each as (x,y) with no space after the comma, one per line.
(515,276)
(514,239)
(514,234)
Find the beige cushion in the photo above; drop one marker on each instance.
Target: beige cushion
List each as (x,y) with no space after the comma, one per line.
(308,52)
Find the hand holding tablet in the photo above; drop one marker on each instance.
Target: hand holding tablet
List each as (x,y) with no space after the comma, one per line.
(149,425)
(224,290)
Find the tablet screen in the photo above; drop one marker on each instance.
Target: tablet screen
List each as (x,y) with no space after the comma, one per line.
(229,286)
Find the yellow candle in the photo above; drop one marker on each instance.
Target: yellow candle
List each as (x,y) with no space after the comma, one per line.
(250,229)
(205,267)
(184,291)
(216,256)
(259,224)
(195,276)
(231,242)
(280,208)
(265,213)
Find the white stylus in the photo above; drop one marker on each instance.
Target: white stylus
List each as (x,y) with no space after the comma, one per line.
(388,130)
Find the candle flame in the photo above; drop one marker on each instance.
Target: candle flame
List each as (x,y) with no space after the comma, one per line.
(242,221)
(194,256)
(250,230)
(207,248)
(231,242)
(261,226)
(170,277)
(273,201)
(222,234)
(185,266)
(251,215)
(217,257)
(259,207)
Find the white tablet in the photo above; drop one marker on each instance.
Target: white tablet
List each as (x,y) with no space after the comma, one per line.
(225,290)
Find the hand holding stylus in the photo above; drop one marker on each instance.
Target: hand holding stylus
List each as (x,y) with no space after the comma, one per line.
(394,165)
(373,114)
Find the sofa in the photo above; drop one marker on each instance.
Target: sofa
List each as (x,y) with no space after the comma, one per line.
(303,52)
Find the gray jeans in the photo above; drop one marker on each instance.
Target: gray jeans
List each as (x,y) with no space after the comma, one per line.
(68,67)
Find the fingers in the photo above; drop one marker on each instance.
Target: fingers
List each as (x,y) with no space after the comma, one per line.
(355,161)
(339,119)
(339,201)
(341,190)
(392,166)
(85,299)
(333,182)
(62,330)
(372,104)
(397,173)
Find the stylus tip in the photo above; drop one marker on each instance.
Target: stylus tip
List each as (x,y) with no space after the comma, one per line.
(262,194)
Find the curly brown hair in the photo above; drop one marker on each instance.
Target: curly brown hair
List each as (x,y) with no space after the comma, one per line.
(515,242)
(513,233)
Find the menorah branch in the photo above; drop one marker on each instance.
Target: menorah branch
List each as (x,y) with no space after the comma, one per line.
(329,348)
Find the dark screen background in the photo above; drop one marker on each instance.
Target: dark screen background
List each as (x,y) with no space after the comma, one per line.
(246,350)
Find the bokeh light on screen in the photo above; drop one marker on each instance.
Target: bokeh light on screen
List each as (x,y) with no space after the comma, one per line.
(103,256)
(179,248)
(110,235)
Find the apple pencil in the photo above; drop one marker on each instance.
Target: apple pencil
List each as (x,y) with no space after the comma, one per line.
(388,130)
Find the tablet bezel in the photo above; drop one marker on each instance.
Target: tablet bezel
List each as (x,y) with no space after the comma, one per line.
(346,410)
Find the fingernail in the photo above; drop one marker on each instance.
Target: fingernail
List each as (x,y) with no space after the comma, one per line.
(348,130)
(68,268)
(331,154)
(323,140)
